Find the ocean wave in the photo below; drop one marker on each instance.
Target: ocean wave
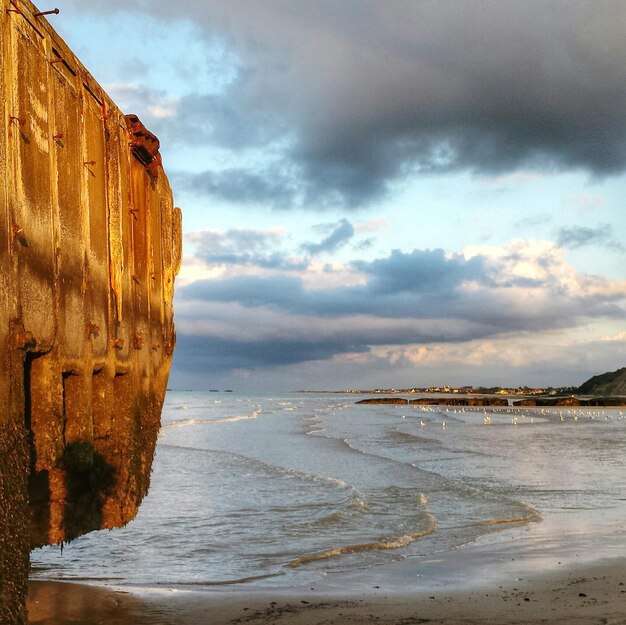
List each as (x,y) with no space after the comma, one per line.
(187,422)
(358,505)
(354,507)
(253,415)
(396,542)
(221,582)
(329,520)
(532,516)
(276,470)
(407,437)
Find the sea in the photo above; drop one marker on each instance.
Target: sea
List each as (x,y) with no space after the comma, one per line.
(285,490)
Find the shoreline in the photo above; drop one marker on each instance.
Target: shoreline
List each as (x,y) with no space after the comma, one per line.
(504,579)
(591,594)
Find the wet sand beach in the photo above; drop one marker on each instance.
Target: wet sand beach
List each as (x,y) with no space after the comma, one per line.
(475,585)
(594,594)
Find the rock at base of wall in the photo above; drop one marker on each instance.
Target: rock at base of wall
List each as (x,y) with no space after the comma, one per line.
(14,531)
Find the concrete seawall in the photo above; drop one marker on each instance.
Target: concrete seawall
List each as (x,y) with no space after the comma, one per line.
(90,244)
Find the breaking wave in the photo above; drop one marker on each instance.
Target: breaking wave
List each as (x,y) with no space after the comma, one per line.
(395,542)
(182,423)
(533,516)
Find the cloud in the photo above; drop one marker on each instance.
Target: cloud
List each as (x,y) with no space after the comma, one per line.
(517,178)
(336,239)
(202,353)
(360,94)
(241,185)
(620,336)
(230,120)
(586,202)
(402,303)
(372,225)
(241,246)
(575,237)
(364,245)
(420,271)
(421,284)
(531,221)
(132,97)
(556,358)
(557,355)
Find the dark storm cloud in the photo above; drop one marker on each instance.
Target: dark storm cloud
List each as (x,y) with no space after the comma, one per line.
(280,292)
(201,353)
(242,185)
(420,271)
(338,237)
(235,122)
(248,323)
(416,285)
(363,93)
(575,237)
(243,247)
(425,284)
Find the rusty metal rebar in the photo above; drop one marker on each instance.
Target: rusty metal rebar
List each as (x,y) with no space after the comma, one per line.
(52,12)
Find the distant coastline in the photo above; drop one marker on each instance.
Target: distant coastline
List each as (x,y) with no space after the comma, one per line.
(458,390)
(482,396)
(610,385)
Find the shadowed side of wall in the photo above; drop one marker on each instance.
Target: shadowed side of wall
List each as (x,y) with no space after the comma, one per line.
(90,244)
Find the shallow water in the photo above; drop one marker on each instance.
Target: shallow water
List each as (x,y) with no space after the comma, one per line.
(282,490)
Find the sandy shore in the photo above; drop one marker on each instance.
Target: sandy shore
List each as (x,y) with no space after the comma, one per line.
(576,594)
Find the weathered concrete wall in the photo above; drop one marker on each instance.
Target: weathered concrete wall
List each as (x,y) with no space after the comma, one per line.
(89,248)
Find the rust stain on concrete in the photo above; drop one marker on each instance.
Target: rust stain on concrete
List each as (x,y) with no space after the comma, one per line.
(90,244)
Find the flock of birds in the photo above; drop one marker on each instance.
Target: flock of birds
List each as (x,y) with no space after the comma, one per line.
(515,414)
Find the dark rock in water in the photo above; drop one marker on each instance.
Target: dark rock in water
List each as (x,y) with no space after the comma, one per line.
(460,401)
(425,401)
(605,401)
(497,401)
(549,401)
(572,401)
(438,401)
(384,400)
(565,401)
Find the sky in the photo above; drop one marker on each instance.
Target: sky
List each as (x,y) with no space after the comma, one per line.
(377,193)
